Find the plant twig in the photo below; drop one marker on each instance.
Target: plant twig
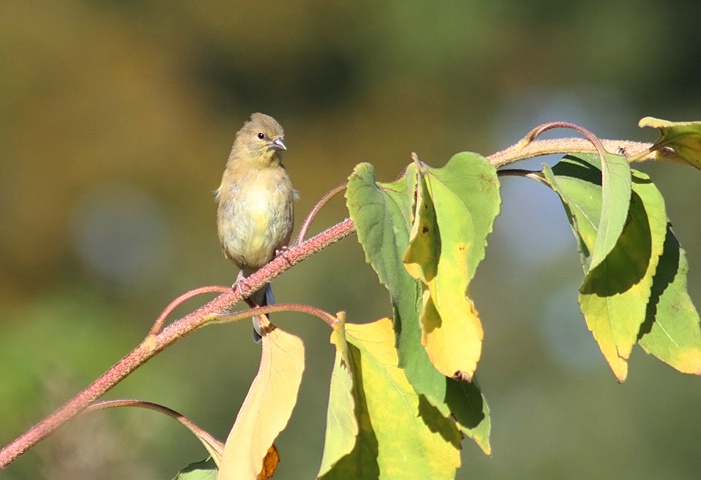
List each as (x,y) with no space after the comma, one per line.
(213,446)
(158,324)
(593,139)
(536,148)
(320,204)
(173,332)
(279,307)
(519,172)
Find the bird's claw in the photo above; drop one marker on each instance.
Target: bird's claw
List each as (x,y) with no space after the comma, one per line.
(282,252)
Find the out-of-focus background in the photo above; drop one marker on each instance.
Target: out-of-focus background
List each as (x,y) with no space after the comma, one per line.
(116,119)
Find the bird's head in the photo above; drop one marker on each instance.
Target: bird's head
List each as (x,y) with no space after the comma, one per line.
(261,138)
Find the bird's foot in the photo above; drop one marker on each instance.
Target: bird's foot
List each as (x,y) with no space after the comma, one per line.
(240,284)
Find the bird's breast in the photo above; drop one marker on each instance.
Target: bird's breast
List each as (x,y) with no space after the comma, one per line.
(255,215)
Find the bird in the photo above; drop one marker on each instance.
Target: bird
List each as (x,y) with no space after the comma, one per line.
(255,214)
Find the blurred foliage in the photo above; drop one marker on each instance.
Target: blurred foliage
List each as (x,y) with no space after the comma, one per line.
(142,98)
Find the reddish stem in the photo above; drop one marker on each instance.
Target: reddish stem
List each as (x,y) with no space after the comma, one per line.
(320,204)
(153,344)
(204,436)
(279,307)
(593,139)
(158,324)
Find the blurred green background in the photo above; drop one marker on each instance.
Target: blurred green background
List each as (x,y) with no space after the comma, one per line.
(116,119)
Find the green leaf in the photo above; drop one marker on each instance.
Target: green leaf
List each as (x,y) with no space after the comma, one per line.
(444,250)
(614,295)
(615,200)
(382,216)
(393,420)
(671,330)
(203,470)
(381,213)
(683,137)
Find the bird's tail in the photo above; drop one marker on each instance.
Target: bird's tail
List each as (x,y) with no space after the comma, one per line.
(262,298)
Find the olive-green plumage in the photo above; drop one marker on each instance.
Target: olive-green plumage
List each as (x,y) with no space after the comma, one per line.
(255,214)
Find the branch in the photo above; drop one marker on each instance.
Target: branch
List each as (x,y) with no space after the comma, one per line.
(326,317)
(528,149)
(155,343)
(320,204)
(213,446)
(160,321)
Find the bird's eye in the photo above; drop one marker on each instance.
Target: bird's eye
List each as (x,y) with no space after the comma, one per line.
(261,135)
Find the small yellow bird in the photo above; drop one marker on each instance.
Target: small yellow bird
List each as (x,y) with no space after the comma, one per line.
(255,215)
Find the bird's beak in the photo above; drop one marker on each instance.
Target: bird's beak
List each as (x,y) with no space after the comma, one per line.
(278,144)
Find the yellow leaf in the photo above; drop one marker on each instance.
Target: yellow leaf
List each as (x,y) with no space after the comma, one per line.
(440,243)
(683,137)
(267,407)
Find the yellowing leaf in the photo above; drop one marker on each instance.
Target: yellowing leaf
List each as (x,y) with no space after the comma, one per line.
(643,277)
(382,215)
(671,330)
(441,240)
(453,345)
(341,422)
(400,436)
(614,295)
(683,137)
(267,407)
